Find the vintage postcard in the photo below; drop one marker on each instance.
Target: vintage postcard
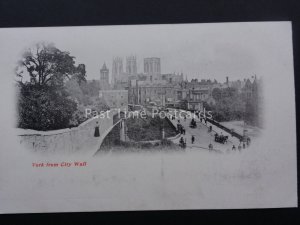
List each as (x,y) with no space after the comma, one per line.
(147,117)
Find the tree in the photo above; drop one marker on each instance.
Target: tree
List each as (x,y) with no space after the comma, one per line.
(229,104)
(44,102)
(100,105)
(90,89)
(80,74)
(74,90)
(216,93)
(44,108)
(44,64)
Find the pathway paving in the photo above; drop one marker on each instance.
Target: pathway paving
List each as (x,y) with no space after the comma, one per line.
(203,137)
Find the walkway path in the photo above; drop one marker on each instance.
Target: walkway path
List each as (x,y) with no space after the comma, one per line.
(202,137)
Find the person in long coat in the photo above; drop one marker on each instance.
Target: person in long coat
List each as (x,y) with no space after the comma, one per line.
(97,131)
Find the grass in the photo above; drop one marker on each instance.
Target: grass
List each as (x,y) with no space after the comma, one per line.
(148,129)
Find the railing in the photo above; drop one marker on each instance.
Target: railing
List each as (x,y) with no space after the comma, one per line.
(230,131)
(217,124)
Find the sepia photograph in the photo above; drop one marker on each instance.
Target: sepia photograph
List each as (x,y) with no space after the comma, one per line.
(148,117)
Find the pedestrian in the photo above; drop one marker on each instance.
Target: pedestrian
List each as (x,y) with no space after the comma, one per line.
(97,131)
(233,148)
(216,136)
(210,146)
(221,135)
(178,127)
(193,139)
(244,145)
(181,142)
(248,141)
(240,147)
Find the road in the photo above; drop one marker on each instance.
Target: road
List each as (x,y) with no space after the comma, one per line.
(202,137)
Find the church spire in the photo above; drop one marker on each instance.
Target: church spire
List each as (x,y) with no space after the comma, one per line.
(104,66)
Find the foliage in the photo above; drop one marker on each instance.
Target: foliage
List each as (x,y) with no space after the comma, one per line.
(78,116)
(47,78)
(90,88)
(73,88)
(87,94)
(216,93)
(44,64)
(229,105)
(166,142)
(148,129)
(232,105)
(80,74)
(100,105)
(46,108)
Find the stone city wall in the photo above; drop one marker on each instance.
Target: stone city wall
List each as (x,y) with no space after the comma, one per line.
(77,139)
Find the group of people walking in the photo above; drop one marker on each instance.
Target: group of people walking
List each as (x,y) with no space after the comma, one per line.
(180,128)
(182,142)
(244,142)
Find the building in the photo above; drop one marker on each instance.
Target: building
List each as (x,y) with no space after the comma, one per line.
(152,69)
(120,78)
(115,99)
(117,69)
(131,68)
(199,90)
(193,94)
(247,90)
(133,92)
(104,78)
(161,94)
(172,77)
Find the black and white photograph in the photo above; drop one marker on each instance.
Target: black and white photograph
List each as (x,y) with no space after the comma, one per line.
(147,117)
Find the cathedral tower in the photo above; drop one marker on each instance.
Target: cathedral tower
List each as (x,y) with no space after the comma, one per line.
(131,68)
(117,70)
(104,78)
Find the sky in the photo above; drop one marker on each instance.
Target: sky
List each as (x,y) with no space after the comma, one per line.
(203,51)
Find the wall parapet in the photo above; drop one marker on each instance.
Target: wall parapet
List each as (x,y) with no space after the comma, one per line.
(69,140)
